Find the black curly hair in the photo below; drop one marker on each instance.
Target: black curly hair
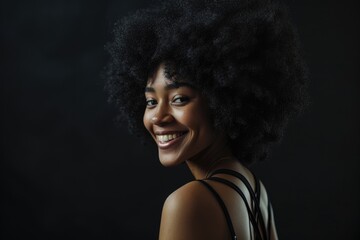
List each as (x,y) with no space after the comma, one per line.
(242,55)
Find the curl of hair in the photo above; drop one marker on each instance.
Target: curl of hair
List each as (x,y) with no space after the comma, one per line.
(242,55)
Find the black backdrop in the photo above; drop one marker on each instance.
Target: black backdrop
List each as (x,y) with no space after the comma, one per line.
(68,173)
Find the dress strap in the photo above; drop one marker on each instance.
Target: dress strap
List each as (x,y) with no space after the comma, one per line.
(269,223)
(238,190)
(255,195)
(223,206)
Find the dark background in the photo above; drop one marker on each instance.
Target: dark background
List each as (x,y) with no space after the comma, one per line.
(68,173)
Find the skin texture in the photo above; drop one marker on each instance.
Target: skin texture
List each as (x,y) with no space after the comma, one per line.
(191,212)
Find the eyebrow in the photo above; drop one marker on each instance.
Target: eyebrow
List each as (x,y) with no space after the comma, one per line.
(173,85)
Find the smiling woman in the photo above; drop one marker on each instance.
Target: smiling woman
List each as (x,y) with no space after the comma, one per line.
(221,79)
(178,119)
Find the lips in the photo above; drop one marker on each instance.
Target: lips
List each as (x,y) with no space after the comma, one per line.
(168,139)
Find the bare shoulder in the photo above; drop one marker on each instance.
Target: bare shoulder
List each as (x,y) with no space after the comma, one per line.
(191,194)
(190,212)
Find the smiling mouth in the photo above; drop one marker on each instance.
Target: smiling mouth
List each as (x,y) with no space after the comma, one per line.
(166,138)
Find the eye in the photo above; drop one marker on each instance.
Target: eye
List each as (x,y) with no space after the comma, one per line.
(150,103)
(180,100)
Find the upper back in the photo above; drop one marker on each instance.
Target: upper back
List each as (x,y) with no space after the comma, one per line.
(199,209)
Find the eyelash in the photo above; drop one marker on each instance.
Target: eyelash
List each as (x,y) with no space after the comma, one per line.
(150,103)
(182,99)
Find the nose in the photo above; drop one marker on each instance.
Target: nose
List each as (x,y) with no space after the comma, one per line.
(162,115)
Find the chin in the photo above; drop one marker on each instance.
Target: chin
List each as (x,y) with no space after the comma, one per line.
(169,161)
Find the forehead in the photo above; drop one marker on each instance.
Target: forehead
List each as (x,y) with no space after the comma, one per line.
(160,81)
(167,86)
(158,77)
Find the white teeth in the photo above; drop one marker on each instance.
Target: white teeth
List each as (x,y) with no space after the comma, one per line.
(167,137)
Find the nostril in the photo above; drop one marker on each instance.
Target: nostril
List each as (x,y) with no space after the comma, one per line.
(168,118)
(163,119)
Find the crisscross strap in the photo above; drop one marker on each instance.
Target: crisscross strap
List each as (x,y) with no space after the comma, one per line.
(238,190)
(223,206)
(255,195)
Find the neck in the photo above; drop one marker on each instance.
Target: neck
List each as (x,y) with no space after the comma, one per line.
(215,156)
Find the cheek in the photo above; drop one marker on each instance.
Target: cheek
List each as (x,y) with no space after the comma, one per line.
(194,118)
(186,117)
(200,122)
(146,120)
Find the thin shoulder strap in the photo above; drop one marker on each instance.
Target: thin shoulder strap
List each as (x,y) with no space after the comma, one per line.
(269,223)
(241,178)
(255,195)
(257,205)
(223,206)
(238,190)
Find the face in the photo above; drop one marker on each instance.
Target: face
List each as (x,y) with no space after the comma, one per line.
(177,118)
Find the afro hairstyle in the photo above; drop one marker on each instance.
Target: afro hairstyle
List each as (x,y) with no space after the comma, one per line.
(242,55)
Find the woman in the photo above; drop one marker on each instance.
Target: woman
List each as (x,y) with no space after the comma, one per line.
(221,79)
